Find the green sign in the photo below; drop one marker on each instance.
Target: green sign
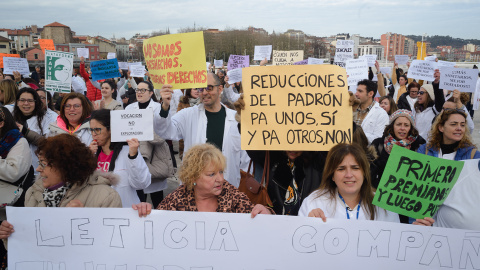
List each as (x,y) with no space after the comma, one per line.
(414,184)
(58,71)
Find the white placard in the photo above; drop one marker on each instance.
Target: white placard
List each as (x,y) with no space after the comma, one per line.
(431,58)
(441,64)
(134,64)
(386,70)
(123,65)
(116,238)
(208,65)
(462,79)
(401,59)
(262,52)
(357,70)
(371,58)
(111,55)
(218,63)
(234,75)
(85,52)
(315,61)
(422,70)
(132,124)
(343,52)
(11,64)
(137,71)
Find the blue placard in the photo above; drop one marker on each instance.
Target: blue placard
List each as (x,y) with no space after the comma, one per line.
(104,69)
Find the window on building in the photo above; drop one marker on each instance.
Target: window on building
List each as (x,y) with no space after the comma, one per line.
(92,49)
(35,56)
(3,46)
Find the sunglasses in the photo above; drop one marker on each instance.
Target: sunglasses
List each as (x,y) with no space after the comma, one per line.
(208,89)
(421,92)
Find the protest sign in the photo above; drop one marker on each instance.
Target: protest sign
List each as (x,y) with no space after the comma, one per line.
(11,64)
(208,65)
(58,72)
(295,108)
(238,61)
(371,58)
(83,52)
(315,61)
(46,44)
(386,70)
(2,55)
(134,64)
(218,63)
(262,52)
(343,52)
(422,70)
(234,75)
(56,238)
(137,71)
(132,124)
(357,70)
(463,79)
(105,69)
(303,62)
(431,58)
(401,59)
(178,60)
(123,65)
(441,64)
(414,184)
(111,55)
(282,58)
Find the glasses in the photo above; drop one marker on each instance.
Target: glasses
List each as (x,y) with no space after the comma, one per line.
(209,88)
(43,98)
(76,106)
(97,131)
(421,92)
(42,165)
(22,100)
(142,91)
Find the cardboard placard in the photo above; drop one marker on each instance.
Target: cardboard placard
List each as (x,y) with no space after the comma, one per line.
(85,52)
(46,44)
(132,124)
(422,70)
(234,75)
(401,59)
(301,107)
(11,64)
(58,71)
(343,52)
(238,61)
(2,55)
(105,69)
(282,58)
(462,79)
(262,52)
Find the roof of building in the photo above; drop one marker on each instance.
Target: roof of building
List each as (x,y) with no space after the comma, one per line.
(56,24)
(4,39)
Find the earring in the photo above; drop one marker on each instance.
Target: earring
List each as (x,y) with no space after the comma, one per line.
(194,184)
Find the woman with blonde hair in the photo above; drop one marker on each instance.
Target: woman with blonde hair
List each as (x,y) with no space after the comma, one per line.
(8,94)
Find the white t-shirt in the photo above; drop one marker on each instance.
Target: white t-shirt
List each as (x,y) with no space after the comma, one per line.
(334,208)
(460,209)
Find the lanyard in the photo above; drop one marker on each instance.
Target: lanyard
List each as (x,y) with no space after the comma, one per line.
(346,208)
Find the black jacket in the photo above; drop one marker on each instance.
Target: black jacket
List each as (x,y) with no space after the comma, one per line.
(308,175)
(403,102)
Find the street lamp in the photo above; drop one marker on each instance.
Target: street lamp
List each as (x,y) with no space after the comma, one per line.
(421,49)
(388,49)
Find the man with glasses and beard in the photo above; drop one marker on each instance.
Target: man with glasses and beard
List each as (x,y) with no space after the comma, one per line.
(208,122)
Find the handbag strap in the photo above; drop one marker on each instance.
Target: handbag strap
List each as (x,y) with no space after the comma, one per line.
(249,166)
(266,170)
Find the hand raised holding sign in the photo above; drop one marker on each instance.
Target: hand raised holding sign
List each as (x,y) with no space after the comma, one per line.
(264,62)
(166,93)
(17,76)
(239,105)
(82,59)
(133,145)
(377,66)
(424,222)
(144,209)
(437,76)
(6,229)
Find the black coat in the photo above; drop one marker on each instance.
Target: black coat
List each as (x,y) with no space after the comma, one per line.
(308,175)
(403,102)
(383,156)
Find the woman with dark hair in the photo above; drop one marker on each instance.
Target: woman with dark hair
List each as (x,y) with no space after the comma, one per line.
(401,131)
(388,104)
(75,111)
(108,89)
(407,100)
(190,99)
(120,158)
(8,93)
(345,191)
(15,156)
(47,100)
(157,151)
(32,119)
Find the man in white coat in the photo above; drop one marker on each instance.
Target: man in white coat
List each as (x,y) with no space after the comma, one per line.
(209,122)
(369,115)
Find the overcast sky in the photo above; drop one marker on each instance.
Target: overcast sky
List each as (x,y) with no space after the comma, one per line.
(369,18)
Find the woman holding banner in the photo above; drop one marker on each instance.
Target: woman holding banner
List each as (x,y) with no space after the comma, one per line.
(119,157)
(402,132)
(204,189)
(75,110)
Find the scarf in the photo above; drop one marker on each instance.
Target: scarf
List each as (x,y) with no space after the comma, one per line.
(7,142)
(53,198)
(292,196)
(194,101)
(390,141)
